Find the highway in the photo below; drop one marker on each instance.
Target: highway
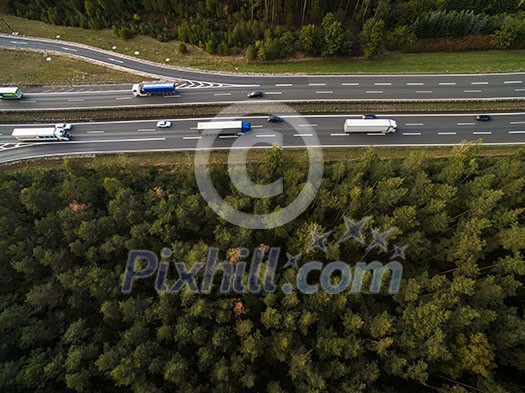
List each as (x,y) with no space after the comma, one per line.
(199,87)
(138,136)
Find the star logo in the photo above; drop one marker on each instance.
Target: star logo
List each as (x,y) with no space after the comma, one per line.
(319,240)
(353,230)
(292,260)
(399,252)
(379,240)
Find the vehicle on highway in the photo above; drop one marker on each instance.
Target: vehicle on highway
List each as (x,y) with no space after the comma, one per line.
(236,127)
(255,94)
(65,126)
(369,116)
(483,118)
(41,134)
(274,119)
(383,126)
(157,88)
(10,93)
(164,124)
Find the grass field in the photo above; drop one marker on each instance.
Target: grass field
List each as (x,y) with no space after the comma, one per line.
(23,68)
(187,158)
(150,49)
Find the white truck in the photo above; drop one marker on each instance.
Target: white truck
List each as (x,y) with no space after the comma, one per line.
(235,127)
(383,126)
(41,134)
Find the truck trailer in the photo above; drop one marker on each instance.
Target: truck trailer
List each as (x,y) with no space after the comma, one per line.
(148,89)
(10,93)
(236,127)
(383,126)
(41,134)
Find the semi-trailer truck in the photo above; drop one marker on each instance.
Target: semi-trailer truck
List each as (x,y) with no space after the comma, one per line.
(148,89)
(41,134)
(235,127)
(383,126)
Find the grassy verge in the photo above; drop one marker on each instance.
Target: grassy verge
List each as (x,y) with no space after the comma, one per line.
(24,68)
(163,159)
(206,110)
(150,49)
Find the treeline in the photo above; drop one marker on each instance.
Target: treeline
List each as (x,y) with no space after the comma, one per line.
(279,28)
(457,324)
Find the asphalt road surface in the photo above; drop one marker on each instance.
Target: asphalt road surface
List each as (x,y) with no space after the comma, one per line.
(295,131)
(207,87)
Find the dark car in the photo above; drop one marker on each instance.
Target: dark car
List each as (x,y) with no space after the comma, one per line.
(369,116)
(483,118)
(275,119)
(255,94)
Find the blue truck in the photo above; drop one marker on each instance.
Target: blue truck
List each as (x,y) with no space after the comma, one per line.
(154,88)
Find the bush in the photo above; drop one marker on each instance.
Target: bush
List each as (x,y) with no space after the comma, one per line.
(506,36)
(251,53)
(183,49)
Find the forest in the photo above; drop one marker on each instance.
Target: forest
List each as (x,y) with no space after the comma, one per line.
(457,324)
(270,29)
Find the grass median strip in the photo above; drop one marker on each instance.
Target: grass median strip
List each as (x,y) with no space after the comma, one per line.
(23,68)
(170,112)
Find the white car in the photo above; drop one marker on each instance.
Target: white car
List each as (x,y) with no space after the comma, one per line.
(64,126)
(164,124)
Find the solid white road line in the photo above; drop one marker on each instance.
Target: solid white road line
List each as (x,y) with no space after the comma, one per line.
(113,140)
(412,133)
(447,133)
